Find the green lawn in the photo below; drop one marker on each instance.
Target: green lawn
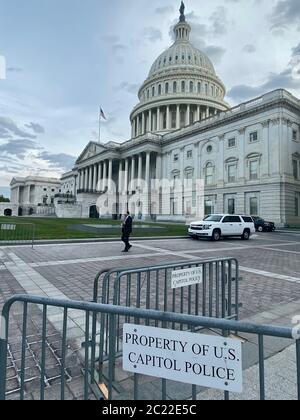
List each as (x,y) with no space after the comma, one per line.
(47,228)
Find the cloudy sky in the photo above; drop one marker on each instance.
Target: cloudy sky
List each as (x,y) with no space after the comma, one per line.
(66,57)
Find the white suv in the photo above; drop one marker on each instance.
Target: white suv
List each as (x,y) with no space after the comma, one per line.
(217,225)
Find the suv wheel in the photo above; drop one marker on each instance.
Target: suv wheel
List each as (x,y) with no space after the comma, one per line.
(260,229)
(216,236)
(246,235)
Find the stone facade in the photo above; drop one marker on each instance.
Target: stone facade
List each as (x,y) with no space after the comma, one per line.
(34,195)
(248,157)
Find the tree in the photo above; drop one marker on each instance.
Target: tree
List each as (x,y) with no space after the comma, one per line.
(4,200)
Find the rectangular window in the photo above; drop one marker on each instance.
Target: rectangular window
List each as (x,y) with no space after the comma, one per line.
(296,206)
(232,169)
(254,170)
(254,206)
(176,158)
(253,137)
(209,207)
(231,143)
(295,135)
(190,154)
(209,175)
(231,206)
(295,169)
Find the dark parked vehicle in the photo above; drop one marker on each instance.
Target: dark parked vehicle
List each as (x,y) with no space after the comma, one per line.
(262,225)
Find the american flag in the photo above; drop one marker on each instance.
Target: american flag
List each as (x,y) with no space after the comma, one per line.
(102,115)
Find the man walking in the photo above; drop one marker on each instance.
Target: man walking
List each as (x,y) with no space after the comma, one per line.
(126,231)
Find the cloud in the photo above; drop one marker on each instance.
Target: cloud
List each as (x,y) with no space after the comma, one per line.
(164,10)
(58,161)
(4,133)
(14,69)
(285,14)
(36,128)
(287,79)
(152,34)
(130,87)
(18,148)
(249,48)
(9,125)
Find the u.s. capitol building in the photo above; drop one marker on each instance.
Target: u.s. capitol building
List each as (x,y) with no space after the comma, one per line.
(182,128)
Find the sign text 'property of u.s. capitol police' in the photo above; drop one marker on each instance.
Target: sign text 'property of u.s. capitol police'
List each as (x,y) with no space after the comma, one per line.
(187,277)
(196,359)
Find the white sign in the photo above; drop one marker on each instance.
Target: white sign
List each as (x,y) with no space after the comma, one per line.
(188,277)
(196,359)
(8,227)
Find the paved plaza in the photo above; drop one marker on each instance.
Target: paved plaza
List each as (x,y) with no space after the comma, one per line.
(269,291)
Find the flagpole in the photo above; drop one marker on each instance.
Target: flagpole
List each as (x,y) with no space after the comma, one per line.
(100,125)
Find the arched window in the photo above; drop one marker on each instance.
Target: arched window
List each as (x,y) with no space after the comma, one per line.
(212,91)
(191,87)
(148,94)
(209,174)
(167,88)
(175,87)
(153,91)
(183,86)
(199,87)
(206,89)
(159,89)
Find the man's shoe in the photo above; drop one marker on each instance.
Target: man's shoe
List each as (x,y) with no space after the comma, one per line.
(130,246)
(125,250)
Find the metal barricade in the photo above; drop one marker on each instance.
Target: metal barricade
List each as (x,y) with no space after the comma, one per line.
(17,234)
(133,391)
(150,288)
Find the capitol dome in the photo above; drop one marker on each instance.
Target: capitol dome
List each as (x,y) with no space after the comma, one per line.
(182,54)
(182,88)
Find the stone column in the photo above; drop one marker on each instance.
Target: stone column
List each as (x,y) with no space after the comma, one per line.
(110,174)
(132,173)
(198,113)
(207,112)
(148,189)
(150,121)
(86,179)
(100,169)
(242,145)
(104,179)
(81,184)
(120,186)
(188,112)
(90,178)
(140,169)
(158,119)
(168,117)
(95,178)
(265,169)
(178,116)
(287,127)
(126,176)
(220,165)
(143,123)
(29,187)
(158,167)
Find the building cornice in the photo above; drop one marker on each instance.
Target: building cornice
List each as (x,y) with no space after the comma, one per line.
(269,101)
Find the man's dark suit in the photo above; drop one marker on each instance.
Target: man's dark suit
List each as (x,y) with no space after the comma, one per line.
(126,232)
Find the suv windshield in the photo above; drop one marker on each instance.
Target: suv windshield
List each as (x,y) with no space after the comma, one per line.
(213,218)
